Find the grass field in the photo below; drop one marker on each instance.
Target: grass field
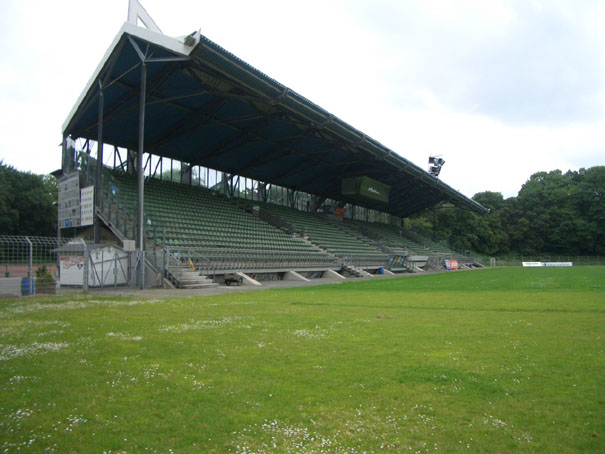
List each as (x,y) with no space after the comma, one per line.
(495,360)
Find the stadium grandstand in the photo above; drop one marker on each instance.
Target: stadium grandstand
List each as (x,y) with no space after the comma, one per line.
(206,168)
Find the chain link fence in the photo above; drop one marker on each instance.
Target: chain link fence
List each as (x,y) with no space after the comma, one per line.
(31,265)
(28,265)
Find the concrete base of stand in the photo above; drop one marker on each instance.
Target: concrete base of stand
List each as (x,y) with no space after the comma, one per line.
(331,274)
(247,280)
(294,276)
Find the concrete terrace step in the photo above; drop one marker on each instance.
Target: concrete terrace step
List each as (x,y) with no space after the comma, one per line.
(356,271)
(199,285)
(186,274)
(188,278)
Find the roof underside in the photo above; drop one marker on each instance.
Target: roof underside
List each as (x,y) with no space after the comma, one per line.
(207,107)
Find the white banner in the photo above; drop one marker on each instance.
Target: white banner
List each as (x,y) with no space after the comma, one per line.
(87,203)
(530,264)
(107,266)
(72,270)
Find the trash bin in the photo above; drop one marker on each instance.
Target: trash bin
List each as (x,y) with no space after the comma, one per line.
(381,270)
(27,286)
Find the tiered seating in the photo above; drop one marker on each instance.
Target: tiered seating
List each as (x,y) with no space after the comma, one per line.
(336,239)
(434,247)
(405,239)
(389,235)
(195,221)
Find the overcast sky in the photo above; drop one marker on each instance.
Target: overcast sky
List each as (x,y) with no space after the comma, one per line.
(499,89)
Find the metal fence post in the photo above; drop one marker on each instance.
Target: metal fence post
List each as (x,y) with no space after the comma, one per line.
(115,269)
(142,265)
(32,287)
(86,260)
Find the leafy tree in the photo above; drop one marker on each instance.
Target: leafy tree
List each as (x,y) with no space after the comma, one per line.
(591,204)
(27,203)
(563,211)
(9,214)
(554,212)
(494,201)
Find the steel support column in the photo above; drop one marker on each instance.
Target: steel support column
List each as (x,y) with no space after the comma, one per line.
(140,175)
(98,173)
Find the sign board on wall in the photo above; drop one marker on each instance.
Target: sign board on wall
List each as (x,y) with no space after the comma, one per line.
(69,195)
(87,197)
(72,269)
(451,264)
(107,266)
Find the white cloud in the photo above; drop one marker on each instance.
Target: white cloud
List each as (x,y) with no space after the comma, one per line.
(501,89)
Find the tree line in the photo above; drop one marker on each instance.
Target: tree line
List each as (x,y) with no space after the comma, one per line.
(28,203)
(554,212)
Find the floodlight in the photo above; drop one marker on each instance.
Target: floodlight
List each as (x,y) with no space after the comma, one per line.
(435,164)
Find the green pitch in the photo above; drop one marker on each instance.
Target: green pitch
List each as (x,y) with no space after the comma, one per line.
(503,360)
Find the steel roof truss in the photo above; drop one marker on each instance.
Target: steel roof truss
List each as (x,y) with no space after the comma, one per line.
(133,93)
(191,122)
(234,142)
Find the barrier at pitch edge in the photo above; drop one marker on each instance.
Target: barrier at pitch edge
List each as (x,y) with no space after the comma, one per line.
(536,264)
(451,265)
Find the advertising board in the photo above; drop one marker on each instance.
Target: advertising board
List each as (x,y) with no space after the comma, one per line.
(365,188)
(87,196)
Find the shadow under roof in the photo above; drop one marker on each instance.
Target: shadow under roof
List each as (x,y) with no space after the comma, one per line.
(205,106)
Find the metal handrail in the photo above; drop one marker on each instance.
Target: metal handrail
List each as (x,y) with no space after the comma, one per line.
(174,257)
(124,208)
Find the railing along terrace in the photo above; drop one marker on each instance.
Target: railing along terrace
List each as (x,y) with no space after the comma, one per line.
(179,257)
(121,211)
(362,262)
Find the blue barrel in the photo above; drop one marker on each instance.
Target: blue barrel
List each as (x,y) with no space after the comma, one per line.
(27,286)
(381,270)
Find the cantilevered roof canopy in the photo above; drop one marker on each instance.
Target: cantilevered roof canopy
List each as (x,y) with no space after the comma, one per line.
(207,107)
